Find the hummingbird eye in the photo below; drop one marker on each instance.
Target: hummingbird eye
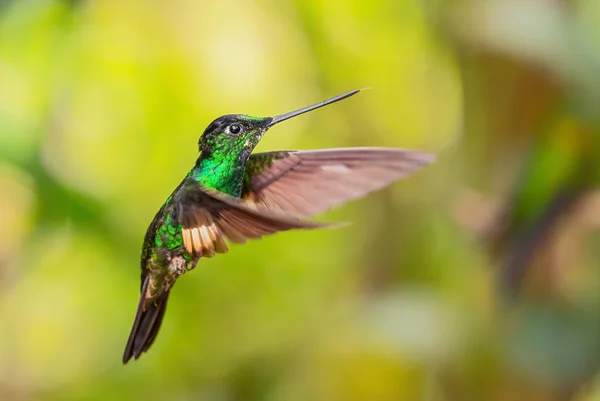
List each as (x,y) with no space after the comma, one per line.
(235,129)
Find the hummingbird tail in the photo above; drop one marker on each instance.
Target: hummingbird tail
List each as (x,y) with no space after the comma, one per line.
(146,324)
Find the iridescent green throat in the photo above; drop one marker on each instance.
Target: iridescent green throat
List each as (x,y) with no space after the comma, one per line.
(221,170)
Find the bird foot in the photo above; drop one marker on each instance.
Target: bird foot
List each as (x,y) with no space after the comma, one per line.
(177,265)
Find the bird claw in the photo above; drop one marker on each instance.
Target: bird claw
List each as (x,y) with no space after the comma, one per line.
(178,265)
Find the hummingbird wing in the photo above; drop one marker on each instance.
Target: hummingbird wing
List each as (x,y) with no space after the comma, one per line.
(305,183)
(207,217)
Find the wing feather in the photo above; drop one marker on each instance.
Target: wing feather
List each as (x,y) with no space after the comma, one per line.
(305,183)
(208,217)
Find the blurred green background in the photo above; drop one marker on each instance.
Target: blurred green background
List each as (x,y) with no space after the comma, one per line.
(475,279)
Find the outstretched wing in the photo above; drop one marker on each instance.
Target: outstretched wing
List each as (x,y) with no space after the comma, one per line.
(208,217)
(305,183)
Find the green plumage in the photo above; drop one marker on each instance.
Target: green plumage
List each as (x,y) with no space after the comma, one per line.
(168,235)
(277,188)
(220,166)
(262,161)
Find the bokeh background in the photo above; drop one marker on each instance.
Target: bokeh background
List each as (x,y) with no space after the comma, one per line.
(475,279)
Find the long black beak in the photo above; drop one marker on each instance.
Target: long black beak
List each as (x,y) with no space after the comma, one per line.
(288,115)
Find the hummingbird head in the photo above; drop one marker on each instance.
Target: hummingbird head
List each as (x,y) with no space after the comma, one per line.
(238,134)
(233,134)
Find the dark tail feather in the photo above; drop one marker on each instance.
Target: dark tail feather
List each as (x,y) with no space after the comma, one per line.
(146,325)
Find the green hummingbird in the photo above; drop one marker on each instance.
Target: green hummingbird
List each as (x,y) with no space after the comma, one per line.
(234,195)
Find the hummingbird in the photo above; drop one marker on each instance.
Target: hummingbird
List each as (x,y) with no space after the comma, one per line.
(233,195)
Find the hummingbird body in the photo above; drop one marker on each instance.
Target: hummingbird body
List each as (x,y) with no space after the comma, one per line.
(219,167)
(233,194)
